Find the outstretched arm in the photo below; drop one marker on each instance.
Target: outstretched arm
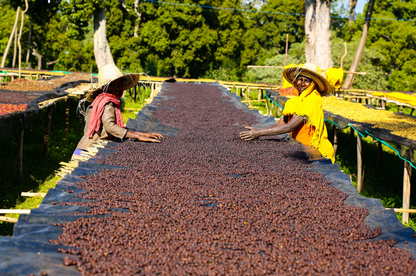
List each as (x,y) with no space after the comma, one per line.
(136,135)
(277,129)
(150,135)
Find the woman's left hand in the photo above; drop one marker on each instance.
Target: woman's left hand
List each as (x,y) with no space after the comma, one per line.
(252,134)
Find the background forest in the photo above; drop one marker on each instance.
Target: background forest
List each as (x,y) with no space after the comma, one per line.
(200,42)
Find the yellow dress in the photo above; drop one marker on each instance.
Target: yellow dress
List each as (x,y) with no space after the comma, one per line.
(313,133)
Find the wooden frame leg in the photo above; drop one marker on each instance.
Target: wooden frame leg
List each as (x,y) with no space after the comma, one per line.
(20,153)
(68,106)
(407,185)
(47,132)
(359,164)
(336,132)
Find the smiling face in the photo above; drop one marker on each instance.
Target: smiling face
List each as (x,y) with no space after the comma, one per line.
(302,83)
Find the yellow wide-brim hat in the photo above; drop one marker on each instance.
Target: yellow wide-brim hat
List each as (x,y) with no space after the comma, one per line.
(311,71)
(107,75)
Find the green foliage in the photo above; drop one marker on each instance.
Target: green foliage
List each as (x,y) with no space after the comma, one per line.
(79,13)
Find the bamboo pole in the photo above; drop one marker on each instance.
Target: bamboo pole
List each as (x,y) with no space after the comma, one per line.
(403,210)
(33,194)
(15,211)
(6,219)
(359,164)
(258,66)
(342,58)
(18,41)
(3,61)
(406,184)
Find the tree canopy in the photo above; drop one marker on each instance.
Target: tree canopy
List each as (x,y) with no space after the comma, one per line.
(186,38)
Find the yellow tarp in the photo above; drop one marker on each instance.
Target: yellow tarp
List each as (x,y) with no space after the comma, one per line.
(397,96)
(334,76)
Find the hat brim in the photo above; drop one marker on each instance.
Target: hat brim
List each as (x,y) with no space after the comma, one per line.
(130,80)
(322,85)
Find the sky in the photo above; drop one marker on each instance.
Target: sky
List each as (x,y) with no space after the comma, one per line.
(360,5)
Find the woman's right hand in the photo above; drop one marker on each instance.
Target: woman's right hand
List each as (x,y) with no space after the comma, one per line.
(142,137)
(252,134)
(147,139)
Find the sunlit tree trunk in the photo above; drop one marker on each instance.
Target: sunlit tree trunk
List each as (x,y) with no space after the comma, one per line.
(354,66)
(352,4)
(102,51)
(318,33)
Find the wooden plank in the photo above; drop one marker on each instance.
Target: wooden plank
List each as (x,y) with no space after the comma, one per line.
(406,184)
(6,219)
(33,194)
(359,164)
(15,211)
(403,210)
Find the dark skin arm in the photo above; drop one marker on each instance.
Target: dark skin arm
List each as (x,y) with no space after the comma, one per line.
(279,128)
(116,89)
(145,137)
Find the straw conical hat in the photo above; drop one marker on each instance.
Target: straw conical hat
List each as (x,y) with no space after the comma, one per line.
(312,71)
(107,75)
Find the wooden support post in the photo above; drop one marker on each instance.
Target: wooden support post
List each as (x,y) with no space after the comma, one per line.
(380,154)
(336,131)
(267,107)
(20,153)
(406,184)
(275,111)
(359,164)
(68,106)
(47,132)
(259,95)
(81,122)
(351,137)
(383,104)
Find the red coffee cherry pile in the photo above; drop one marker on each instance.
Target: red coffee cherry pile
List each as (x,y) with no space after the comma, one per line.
(204,202)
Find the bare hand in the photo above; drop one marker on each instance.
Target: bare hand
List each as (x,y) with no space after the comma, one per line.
(151,135)
(147,139)
(252,134)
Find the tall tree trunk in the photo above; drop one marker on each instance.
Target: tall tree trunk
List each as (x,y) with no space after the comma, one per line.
(102,51)
(318,33)
(3,61)
(14,50)
(29,42)
(354,66)
(352,4)
(18,40)
(136,11)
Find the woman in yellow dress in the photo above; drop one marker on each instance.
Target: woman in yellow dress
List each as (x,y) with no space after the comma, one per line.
(303,116)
